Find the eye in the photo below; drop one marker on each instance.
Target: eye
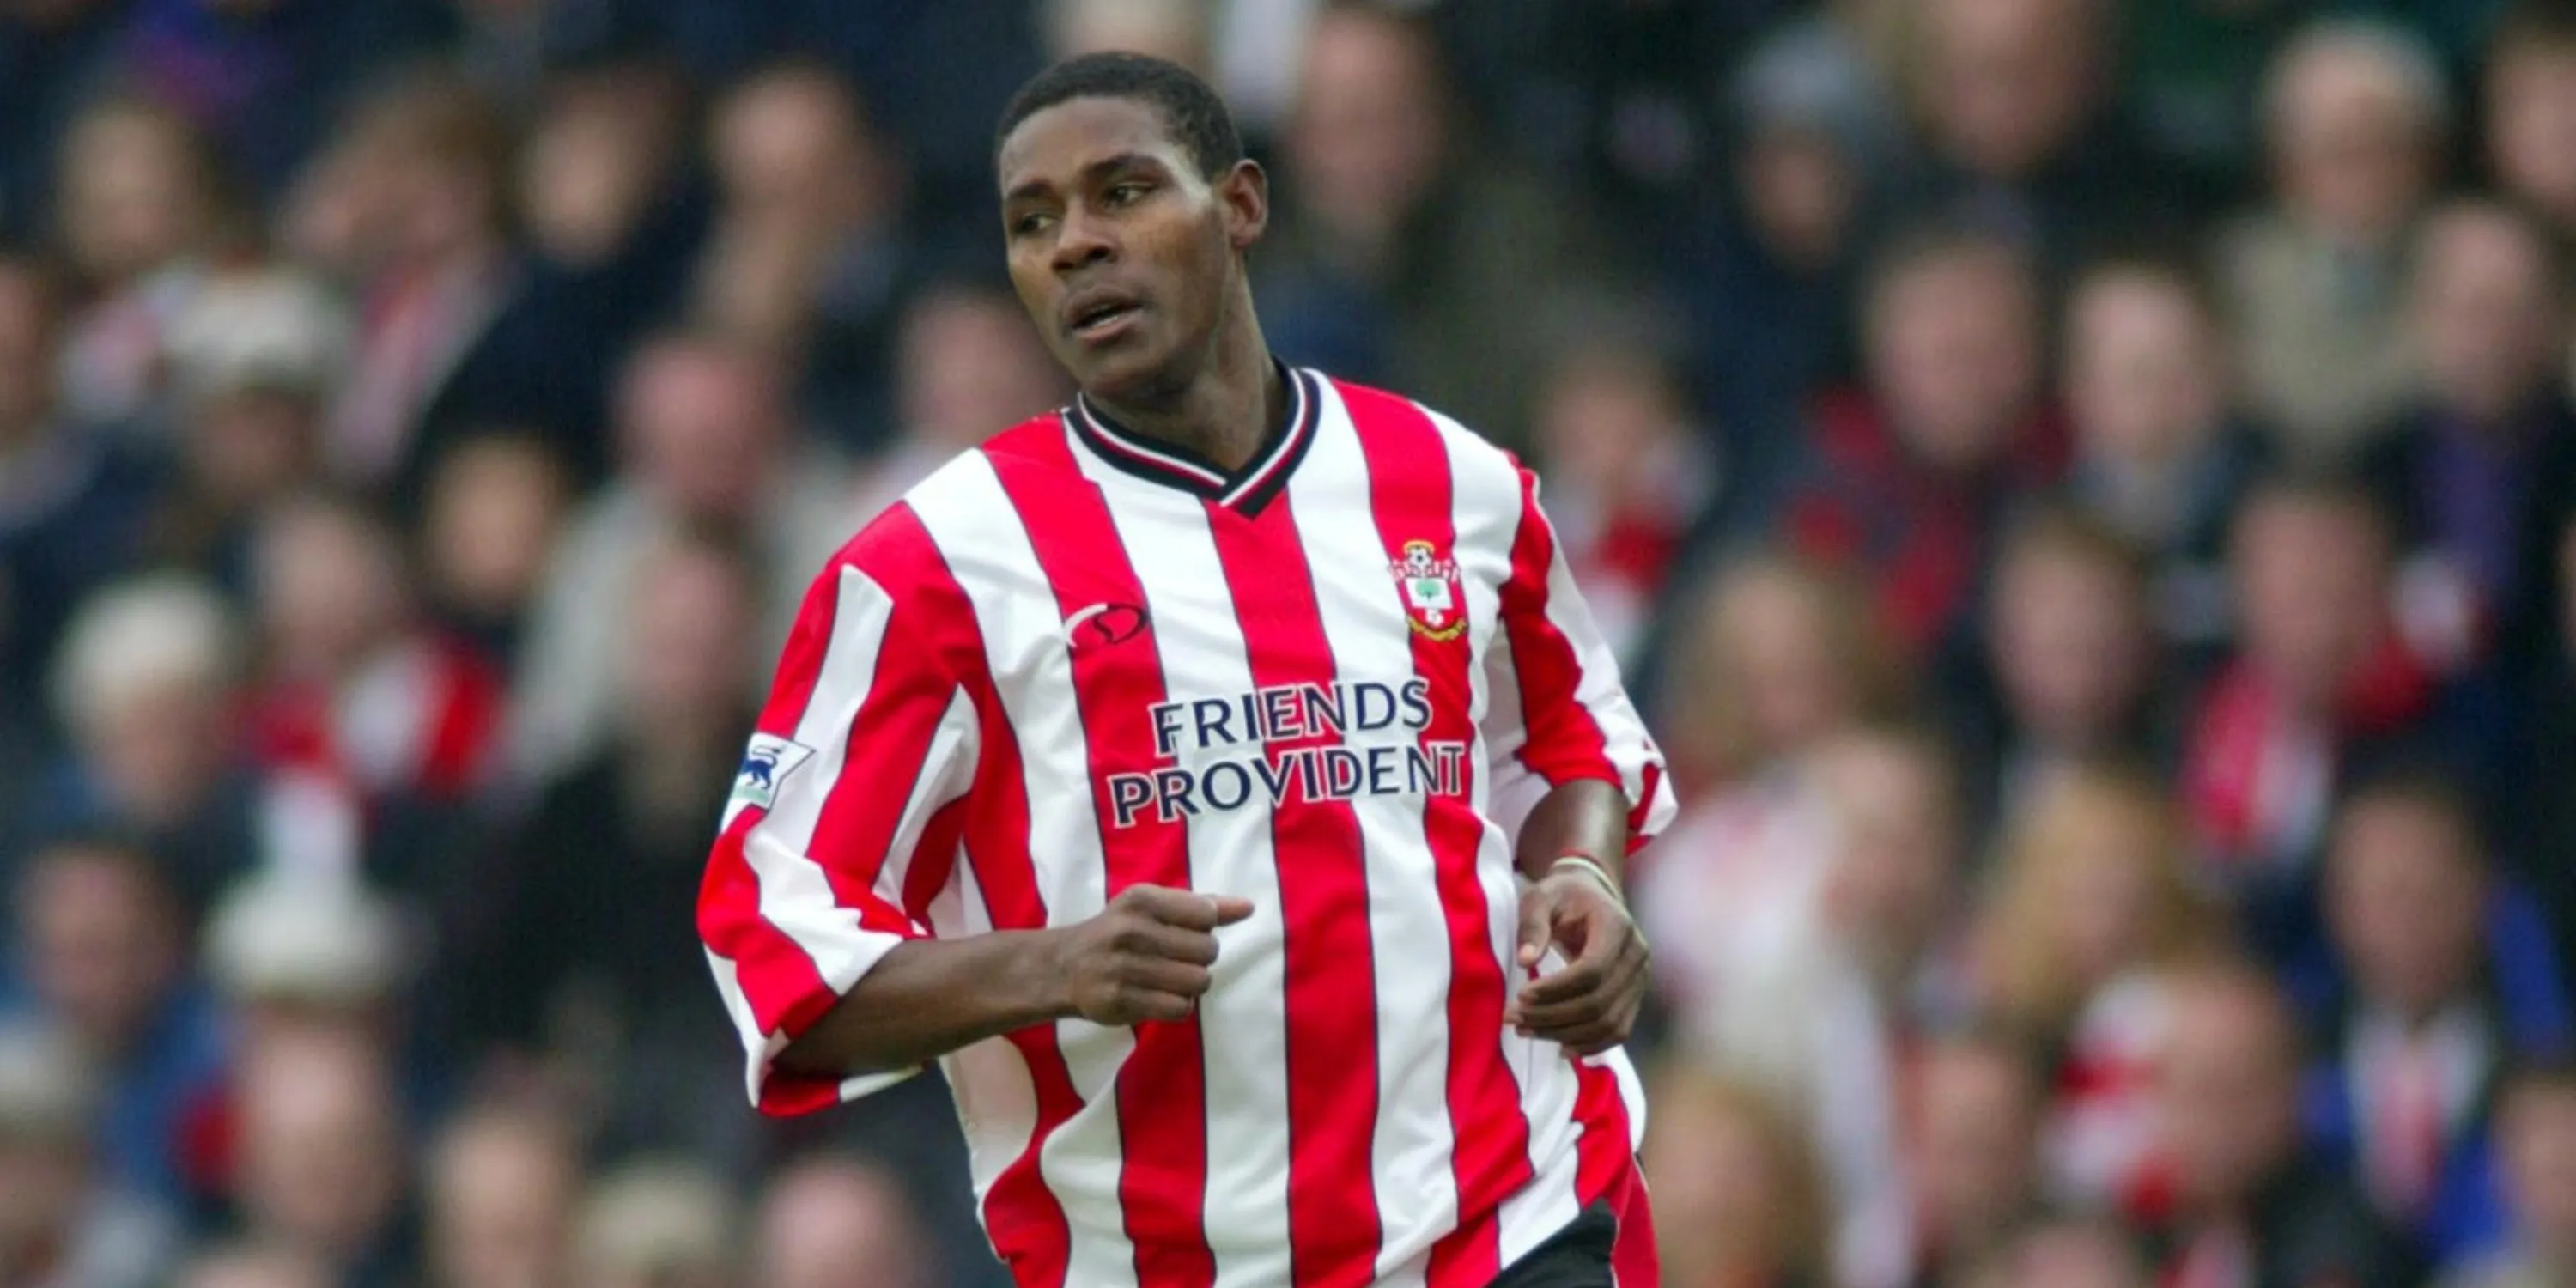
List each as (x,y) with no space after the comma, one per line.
(1125,193)
(1029,224)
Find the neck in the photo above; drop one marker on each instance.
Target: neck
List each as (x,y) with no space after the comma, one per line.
(1226,410)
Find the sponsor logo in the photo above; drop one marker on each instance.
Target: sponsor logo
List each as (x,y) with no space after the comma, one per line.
(1102,625)
(765,765)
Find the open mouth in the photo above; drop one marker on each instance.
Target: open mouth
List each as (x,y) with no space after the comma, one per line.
(1102,318)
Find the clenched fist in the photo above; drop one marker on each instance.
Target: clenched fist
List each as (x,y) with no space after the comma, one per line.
(1146,956)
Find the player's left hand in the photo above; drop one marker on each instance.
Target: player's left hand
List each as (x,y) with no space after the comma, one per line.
(1589,1004)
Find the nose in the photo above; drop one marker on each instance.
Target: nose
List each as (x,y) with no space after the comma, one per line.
(1081,241)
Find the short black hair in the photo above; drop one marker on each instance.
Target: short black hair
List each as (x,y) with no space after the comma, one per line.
(1191,109)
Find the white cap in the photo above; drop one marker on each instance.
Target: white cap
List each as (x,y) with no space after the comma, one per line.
(270,329)
(302,938)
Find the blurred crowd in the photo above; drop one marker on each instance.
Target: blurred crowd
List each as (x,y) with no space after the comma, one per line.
(2085,490)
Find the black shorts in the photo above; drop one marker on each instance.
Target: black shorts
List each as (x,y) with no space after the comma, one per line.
(1577,1256)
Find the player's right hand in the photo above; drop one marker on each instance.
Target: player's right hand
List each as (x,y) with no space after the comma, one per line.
(1146,956)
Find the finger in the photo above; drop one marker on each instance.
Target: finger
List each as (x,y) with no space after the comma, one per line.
(1177,978)
(1231,909)
(1538,913)
(1143,1004)
(1607,996)
(1169,943)
(1576,979)
(1187,909)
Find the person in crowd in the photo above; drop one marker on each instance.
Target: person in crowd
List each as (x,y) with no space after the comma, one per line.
(2015,121)
(500,1184)
(1741,1198)
(2240,1198)
(2067,672)
(1173,30)
(1627,475)
(253,1265)
(1973,1102)
(808,253)
(2093,898)
(2355,113)
(2446,979)
(1907,478)
(967,365)
(708,438)
(655,1223)
(2062,1250)
(2529,97)
(103,952)
(2481,472)
(496,502)
(596,172)
(2320,691)
(320,1162)
(1401,253)
(253,361)
(827,1222)
(147,685)
(290,952)
(63,1224)
(73,512)
(2533,1136)
(2160,453)
(138,211)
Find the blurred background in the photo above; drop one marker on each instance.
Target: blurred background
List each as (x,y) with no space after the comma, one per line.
(2083,489)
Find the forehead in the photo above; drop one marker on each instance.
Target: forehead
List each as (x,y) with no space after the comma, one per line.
(1055,144)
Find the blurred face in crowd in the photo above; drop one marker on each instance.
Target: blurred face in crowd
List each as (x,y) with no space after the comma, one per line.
(594,161)
(1124,252)
(686,632)
(1891,882)
(26,353)
(1953,342)
(1975,1145)
(2064,1254)
(2352,138)
(2531,124)
(255,1268)
(1605,422)
(1770,647)
(792,146)
(2226,1088)
(2007,84)
(2406,897)
(704,426)
(969,366)
(104,943)
(1802,191)
(1172,30)
(839,1225)
(321,1153)
(491,517)
(331,590)
(246,446)
(2146,373)
(2098,855)
(501,1190)
(2488,325)
(1367,138)
(2071,642)
(1728,1195)
(133,191)
(2536,1133)
(2312,591)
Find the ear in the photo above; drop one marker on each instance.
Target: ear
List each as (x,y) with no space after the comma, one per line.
(1244,193)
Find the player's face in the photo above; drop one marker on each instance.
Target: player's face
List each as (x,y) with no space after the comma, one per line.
(1123,253)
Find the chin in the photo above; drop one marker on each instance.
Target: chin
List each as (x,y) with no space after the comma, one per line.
(1134,379)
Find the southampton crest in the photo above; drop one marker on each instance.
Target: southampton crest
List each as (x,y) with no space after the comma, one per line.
(1433,602)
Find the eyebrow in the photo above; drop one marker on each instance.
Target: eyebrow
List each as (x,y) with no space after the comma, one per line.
(1105,165)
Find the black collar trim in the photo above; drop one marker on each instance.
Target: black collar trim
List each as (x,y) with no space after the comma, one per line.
(1246,490)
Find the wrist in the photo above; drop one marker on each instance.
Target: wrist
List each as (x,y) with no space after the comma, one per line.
(1046,975)
(1583,864)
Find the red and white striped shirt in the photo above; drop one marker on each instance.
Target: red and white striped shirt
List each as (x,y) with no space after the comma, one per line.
(1333,682)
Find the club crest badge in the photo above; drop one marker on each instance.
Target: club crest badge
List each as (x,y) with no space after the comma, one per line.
(1433,602)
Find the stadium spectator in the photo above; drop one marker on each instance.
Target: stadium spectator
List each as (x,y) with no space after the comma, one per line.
(2160,454)
(1399,252)
(2445,983)
(147,686)
(1907,479)
(251,1265)
(500,1185)
(655,1223)
(596,171)
(1173,30)
(967,365)
(1741,1201)
(137,209)
(808,254)
(2068,669)
(2242,1199)
(496,501)
(1627,475)
(2062,1251)
(291,952)
(838,1223)
(2481,472)
(321,1161)
(2534,1138)
(64,1225)
(103,956)
(709,441)
(2354,113)
(1973,1105)
(2529,98)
